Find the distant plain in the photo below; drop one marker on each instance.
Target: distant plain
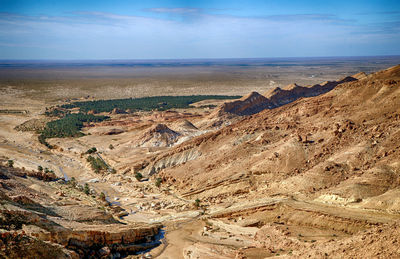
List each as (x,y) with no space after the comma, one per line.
(57,80)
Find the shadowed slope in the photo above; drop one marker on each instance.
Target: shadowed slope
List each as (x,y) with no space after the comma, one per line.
(254,102)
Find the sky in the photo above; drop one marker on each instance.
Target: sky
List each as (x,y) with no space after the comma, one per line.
(130,29)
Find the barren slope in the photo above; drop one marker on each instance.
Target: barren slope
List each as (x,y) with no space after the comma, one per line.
(338,150)
(347,132)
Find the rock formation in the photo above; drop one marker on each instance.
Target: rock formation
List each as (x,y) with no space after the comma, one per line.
(254,102)
(34,223)
(159,136)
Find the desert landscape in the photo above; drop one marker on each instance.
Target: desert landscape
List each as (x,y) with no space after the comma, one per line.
(199,129)
(275,158)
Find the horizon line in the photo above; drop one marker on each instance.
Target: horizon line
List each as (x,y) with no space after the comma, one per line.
(197,58)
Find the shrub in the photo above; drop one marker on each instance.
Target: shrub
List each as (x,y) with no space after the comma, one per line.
(49,176)
(10,163)
(197,203)
(138,176)
(102,196)
(42,140)
(86,189)
(111,146)
(40,168)
(158,182)
(72,182)
(91,150)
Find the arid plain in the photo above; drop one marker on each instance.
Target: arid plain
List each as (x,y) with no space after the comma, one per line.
(305,164)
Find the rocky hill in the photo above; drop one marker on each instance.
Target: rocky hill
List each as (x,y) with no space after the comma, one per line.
(255,102)
(247,105)
(337,150)
(305,134)
(159,136)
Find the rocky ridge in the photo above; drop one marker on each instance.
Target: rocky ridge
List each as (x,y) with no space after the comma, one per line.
(254,102)
(337,150)
(50,224)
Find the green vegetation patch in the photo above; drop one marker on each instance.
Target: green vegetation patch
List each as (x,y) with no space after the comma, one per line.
(70,125)
(144,104)
(97,164)
(55,112)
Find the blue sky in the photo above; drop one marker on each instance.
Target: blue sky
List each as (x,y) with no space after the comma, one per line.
(128,29)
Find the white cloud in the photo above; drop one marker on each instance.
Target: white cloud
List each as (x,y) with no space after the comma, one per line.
(107,35)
